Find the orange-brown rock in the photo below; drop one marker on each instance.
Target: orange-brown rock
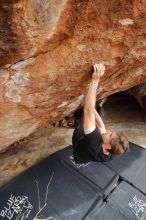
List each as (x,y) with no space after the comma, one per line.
(47,49)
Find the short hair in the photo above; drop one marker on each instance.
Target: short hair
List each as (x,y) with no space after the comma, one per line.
(119,144)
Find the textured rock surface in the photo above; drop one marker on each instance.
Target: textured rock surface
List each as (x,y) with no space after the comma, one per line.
(47,49)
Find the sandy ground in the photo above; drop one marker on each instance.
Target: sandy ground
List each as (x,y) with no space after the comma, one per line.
(122,113)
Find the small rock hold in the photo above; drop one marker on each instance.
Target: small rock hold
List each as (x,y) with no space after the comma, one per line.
(126,21)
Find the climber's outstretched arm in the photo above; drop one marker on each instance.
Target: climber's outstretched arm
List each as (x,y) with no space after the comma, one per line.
(89,123)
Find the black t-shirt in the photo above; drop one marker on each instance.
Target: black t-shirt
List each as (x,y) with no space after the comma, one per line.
(89,148)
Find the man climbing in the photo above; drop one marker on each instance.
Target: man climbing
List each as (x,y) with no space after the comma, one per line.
(91,141)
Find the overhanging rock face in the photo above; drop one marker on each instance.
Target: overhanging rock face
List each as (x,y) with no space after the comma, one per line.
(47,49)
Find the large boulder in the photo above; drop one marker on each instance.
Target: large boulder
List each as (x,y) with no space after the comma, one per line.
(47,49)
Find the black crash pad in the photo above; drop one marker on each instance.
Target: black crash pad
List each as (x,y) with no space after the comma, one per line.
(131,166)
(125,203)
(58,188)
(95,173)
(49,190)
